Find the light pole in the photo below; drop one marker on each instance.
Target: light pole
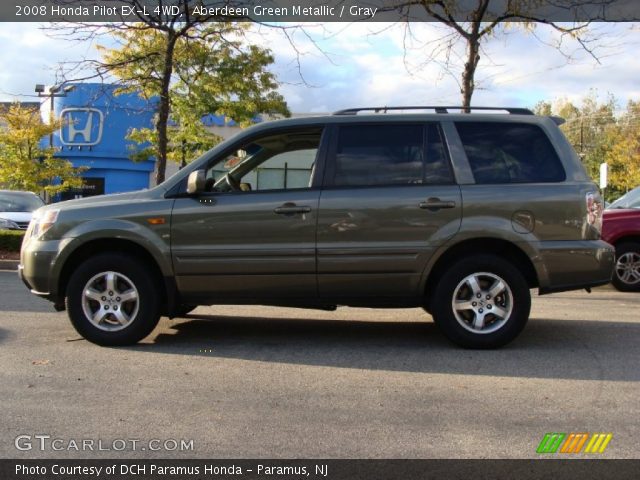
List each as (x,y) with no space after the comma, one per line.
(54,91)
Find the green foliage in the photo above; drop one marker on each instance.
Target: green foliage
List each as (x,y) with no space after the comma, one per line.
(601,134)
(11,240)
(188,139)
(624,154)
(24,163)
(213,70)
(543,108)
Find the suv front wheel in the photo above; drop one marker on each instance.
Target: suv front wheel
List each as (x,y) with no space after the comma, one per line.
(482,301)
(112,300)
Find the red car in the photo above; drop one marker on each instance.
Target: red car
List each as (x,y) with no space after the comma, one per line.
(621,228)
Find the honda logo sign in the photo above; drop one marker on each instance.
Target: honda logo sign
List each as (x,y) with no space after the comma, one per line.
(81,127)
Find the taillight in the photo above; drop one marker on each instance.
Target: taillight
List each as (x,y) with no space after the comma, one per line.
(594,210)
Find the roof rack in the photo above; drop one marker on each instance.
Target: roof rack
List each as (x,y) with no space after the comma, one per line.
(437,108)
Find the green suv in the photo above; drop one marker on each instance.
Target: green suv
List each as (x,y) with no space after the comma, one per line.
(459,213)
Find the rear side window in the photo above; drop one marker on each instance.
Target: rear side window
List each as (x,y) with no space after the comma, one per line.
(369,155)
(437,167)
(500,152)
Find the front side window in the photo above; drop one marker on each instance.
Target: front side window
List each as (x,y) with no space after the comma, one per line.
(501,152)
(275,162)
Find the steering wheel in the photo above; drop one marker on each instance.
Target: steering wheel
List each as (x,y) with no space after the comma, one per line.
(234,184)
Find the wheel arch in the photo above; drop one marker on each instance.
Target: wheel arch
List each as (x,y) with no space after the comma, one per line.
(119,246)
(478,246)
(626,238)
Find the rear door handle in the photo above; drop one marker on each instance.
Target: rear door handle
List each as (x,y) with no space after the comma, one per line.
(289,209)
(436,204)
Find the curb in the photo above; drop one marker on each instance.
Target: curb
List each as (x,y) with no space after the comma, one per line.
(9,264)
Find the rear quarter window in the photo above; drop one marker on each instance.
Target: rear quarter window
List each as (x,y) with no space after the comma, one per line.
(501,152)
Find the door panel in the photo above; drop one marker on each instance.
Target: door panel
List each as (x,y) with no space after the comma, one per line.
(376,241)
(246,245)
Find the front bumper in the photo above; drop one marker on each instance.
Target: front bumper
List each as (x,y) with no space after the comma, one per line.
(573,265)
(36,264)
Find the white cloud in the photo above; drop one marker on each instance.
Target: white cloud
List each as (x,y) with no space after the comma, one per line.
(30,56)
(516,69)
(344,65)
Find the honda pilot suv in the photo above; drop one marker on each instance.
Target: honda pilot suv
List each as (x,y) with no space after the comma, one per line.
(459,213)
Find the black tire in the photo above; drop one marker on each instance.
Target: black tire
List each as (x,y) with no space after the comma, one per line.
(143,313)
(626,277)
(486,270)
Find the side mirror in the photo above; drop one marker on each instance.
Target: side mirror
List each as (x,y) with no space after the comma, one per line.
(196,182)
(245,187)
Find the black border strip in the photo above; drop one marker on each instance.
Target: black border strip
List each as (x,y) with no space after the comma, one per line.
(547,468)
(313,11)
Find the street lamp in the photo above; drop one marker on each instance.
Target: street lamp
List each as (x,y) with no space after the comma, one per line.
(54,91)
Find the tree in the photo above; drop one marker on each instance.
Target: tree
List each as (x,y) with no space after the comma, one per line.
(624,155)
(187,138)
(475,25)
(182,58)
(590,128)
(599,134)
(212,74)
(25,164)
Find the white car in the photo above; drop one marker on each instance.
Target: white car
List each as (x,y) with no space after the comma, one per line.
(631,199)
(16,209)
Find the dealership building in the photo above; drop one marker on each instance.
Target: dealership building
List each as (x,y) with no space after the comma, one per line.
(96,123)
(93,135)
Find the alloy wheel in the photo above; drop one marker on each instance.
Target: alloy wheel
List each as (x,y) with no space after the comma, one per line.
(482,302)
(628,268)
(110,301)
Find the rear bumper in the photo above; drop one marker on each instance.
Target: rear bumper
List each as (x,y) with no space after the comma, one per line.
(574,265)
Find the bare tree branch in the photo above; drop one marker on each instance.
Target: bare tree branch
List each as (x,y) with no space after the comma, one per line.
(477,23)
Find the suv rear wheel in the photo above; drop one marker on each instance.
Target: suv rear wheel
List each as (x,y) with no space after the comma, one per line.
(483,301)
(626,276)
(112,299)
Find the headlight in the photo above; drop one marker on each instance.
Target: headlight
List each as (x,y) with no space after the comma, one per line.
(6,224)
(43,222)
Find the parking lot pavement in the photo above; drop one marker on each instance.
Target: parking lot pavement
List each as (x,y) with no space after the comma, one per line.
(356,383)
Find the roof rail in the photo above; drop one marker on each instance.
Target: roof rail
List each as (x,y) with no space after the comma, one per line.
(437,108)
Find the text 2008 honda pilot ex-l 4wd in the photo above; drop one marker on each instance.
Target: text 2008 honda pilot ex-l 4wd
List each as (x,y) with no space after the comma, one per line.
(459,213)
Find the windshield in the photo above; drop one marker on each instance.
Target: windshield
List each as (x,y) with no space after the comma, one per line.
(628,200)
(19,202)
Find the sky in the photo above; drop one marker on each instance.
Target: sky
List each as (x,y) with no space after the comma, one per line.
(332,66)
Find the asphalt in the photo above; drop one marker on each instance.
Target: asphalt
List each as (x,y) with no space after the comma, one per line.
(259,382)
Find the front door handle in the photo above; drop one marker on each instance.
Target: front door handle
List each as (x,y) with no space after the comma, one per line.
(434,204)
(291,209)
